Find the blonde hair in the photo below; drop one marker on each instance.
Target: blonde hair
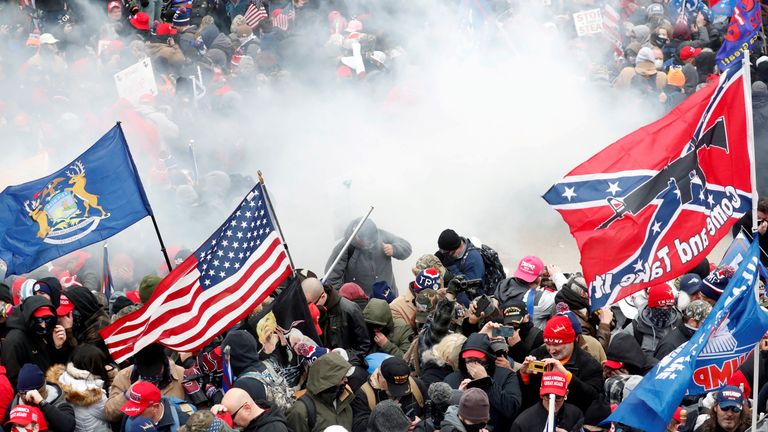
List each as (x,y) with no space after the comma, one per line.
(447,351)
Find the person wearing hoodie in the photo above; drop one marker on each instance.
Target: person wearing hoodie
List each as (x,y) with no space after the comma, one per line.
(34,336)
(6,308)
(477,362)
(83,382)
(655,320)
(89,317)
(694,315)
(368,258)
(388,416)
(470,415)
(352,292)
(249,415)
(388,335)
(328,397)
(562,354)
(32,389)
(50,288)
(341,320)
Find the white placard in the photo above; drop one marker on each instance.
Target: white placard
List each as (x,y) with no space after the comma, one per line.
(135,81)
(588,22)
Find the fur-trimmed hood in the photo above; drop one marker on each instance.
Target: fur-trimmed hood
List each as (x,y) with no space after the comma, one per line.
(80,387)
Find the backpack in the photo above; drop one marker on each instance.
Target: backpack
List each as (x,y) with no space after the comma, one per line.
(275,385)
(494,270)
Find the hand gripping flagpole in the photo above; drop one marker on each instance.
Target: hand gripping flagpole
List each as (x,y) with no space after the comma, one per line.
(277,222)
(751,149)
(146,201)
(346,245)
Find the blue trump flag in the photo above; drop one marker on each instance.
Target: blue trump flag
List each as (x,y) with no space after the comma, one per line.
(94,197)
(742,33)
(732,329)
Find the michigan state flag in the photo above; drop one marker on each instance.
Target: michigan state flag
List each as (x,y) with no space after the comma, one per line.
(94,197)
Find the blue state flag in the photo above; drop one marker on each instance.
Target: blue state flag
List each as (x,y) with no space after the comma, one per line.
(94,197)
(732,329)
(742,33)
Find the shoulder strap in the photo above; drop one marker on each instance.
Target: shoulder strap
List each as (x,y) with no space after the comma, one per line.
(370,395)
(416,391)
(311,411)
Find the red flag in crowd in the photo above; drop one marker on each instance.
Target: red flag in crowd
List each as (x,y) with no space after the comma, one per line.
(652,205)
(217,286)
(255,15)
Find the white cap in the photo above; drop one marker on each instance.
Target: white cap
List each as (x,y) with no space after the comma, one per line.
(47,38)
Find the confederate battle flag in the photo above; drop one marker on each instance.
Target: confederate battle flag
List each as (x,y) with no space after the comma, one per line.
(652,205)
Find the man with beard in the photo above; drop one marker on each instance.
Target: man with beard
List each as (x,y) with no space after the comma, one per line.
(368,258)
(695,314)
(729,413)
(561,354)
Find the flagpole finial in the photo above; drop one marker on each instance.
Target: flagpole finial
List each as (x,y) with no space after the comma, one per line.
(261,177)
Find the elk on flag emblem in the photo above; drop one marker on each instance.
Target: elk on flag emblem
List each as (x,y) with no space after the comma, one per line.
(651,206)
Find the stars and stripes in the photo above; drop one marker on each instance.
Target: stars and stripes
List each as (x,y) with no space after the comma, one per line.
(612,30)
(254,15)
(281,18)
(218,285)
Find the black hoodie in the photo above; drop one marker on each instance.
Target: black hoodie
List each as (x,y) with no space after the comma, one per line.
(22,345)
(244,357)
(504,393)
(271,420)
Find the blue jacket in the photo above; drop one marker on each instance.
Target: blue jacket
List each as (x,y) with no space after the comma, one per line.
(470,264)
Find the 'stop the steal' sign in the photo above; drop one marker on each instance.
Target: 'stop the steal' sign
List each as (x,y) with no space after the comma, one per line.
(588,22)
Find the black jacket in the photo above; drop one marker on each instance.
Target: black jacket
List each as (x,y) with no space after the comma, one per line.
(22,345)
(678,336)
(504,393)
(271,420)
(431,373)
(361,411)
(534,418)
(343,324)
(530,338)
(586,382)
(244,357)
(745,225)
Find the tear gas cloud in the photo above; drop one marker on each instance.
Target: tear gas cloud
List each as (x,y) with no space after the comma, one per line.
(484,123)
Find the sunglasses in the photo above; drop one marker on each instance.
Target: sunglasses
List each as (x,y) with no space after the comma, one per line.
(735,409)
(234,414)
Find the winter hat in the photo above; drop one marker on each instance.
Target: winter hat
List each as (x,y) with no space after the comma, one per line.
(427,261)
(529,268)
(559,330)
(147,287)
(474,406)
(85,301)
(681,31)
(428,278)
(690,283)
(448,240)
(30,378)
(654,9)
(661,295)
(181,17)
(713,285)
(387,416)
(352,291)
(562,309)
(140,21)
(675,77)
(759,87)
(382,290)
(5,293)
(553,383)
(50,286)
(697,310)
(760,60)
(644,62)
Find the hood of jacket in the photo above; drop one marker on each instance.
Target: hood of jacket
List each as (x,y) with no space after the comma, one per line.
(452,418)
(243,352)
(644,326)
(327,372)
(378,313)
(511,288)
(624,348)
(271,415)
(479,342)
(367,237)
(23,320)
(80,387)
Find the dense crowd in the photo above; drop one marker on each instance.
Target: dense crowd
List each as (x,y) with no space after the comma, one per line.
(461,348)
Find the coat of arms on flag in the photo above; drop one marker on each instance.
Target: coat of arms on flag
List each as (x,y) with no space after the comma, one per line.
(650,206)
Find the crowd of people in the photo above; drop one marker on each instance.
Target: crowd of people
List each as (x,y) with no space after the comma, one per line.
(463,347)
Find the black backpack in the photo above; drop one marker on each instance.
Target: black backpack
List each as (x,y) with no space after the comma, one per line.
(494,270)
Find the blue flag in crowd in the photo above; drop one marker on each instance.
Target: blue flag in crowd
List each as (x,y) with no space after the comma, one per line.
(94,197)
(742,33)
(731,330)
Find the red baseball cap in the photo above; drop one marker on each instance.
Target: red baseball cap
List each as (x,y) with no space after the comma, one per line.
(613,364)
(42,312)
(661,295)
(23,415)
(471,353)
(689,52)
(529,268)
(65,306)
(553,383)
(140,396)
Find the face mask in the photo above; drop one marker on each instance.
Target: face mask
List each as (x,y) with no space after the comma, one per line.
(659,317)
(659,41)
(43,326)
(658,63)
(474,427)
(154,379)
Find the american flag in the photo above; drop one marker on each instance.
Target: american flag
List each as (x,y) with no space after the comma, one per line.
(217,286)
(255,14)
(612,29)
(282,17)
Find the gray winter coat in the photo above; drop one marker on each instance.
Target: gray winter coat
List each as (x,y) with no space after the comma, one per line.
(648,336)
(365,262)
(451,422)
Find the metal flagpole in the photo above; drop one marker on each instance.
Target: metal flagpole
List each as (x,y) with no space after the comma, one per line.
(146,201)
(751,149)
(551,414)
(346,245)
(277,222)
(194,160)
